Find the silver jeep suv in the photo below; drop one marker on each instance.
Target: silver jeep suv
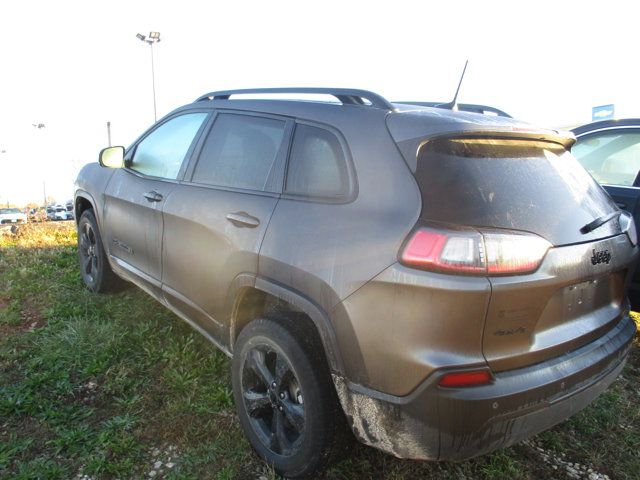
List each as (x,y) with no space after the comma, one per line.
(447,282)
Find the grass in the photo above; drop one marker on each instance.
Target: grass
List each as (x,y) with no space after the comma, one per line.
(107,385)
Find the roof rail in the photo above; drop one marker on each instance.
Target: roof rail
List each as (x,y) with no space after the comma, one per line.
(463,107)
(348,96)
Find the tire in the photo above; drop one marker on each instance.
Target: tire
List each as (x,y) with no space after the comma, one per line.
(285,398)
(94,266)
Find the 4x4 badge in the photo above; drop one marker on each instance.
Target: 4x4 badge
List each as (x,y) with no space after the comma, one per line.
(600,257)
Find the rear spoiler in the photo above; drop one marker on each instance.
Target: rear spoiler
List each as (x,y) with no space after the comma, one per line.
(409,148)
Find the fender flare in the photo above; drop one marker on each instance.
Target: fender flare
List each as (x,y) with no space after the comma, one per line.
(317,315)
(89,198)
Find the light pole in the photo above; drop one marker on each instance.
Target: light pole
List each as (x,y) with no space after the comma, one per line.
(154,37)
(40,126)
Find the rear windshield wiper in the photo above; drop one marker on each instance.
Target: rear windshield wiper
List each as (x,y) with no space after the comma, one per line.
(598,222)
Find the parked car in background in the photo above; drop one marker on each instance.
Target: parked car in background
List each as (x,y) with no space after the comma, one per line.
(37,214)
(61,213)
(69,207)
(12,215)
(610,151)
(421,269)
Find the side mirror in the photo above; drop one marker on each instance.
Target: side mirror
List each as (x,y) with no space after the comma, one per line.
(112,157)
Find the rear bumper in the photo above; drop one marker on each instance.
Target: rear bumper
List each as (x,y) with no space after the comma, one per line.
(456,424)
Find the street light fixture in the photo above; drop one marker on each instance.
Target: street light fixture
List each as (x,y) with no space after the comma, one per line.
(154,37)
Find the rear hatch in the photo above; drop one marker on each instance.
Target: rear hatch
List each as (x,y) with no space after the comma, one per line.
(501,183)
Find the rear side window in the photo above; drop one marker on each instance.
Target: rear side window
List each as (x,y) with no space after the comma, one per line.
(240,152)
(611,157)
(161,153)
(317,166)
(533,186)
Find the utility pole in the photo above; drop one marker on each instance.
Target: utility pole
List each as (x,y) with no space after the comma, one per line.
(153,84)
(154,37)
(109,132)
(40,126)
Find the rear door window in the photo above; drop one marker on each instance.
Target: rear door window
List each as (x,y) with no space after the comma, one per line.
(612,157)
(240,152)
(317,164)
(533,186)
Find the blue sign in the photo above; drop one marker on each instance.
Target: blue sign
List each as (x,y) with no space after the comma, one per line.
(603,112)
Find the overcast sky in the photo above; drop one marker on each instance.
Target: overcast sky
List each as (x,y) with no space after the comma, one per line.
(76,65)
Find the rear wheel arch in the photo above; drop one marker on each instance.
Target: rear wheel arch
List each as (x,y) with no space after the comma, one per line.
(267,298)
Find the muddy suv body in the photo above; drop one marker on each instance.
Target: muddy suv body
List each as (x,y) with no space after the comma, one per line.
(456,282)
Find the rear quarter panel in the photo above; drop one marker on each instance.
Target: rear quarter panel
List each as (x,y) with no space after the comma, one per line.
(327,251)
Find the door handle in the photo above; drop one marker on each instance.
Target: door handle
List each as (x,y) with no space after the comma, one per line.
(243,219)
(153,196)
(621,205)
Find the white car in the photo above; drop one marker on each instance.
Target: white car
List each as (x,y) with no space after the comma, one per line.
(61,213)
(12,215)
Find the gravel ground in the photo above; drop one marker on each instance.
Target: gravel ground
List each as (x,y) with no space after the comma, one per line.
(561,463)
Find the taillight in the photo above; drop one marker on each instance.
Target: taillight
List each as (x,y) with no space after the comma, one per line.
(509,253)
(469,251)
(439,251)
(469,378)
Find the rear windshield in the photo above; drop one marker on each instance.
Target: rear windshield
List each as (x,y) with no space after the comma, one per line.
(525,185)
(9,210)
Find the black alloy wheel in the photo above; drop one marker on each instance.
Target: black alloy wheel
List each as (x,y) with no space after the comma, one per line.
(88,250)
(273,400)
(94,266)
(284,395)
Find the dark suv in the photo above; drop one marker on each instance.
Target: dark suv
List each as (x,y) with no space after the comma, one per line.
(447,282)
(610,151)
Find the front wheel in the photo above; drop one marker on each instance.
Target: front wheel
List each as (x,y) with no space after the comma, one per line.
(285,399)
(94,266)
